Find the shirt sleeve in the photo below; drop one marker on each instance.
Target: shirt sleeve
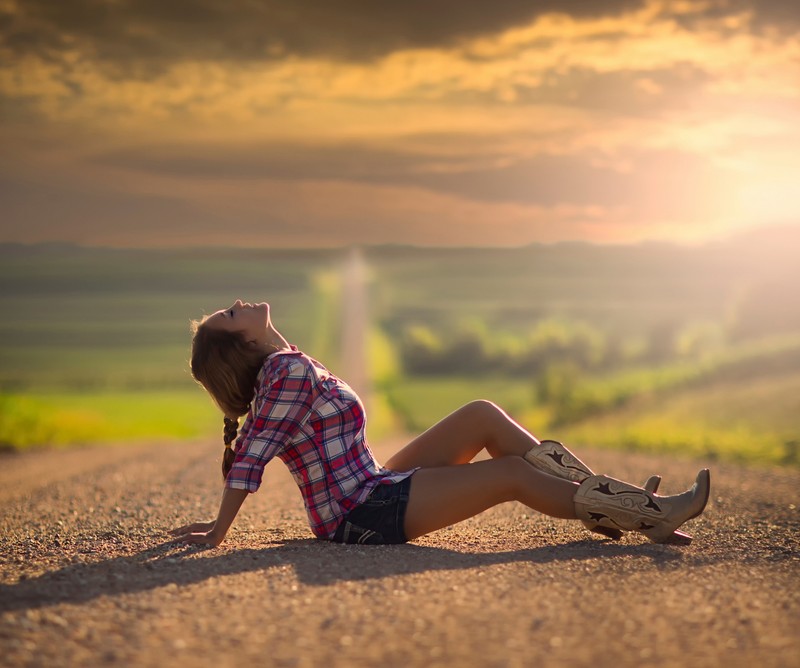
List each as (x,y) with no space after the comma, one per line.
(281,409)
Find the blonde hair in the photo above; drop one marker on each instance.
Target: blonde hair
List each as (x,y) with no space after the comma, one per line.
(227,367)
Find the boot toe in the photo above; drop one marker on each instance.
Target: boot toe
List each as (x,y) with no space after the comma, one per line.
(702,490)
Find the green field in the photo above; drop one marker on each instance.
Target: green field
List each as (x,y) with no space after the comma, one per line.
(95,346)
(651,347)
(753,422)
(118,416)
(741,407)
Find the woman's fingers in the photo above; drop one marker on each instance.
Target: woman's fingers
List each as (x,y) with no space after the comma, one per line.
(203,538)
(199,533)
(196,527)
(188,528)
(189,537)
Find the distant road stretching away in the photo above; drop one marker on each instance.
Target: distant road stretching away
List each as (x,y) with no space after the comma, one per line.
(355,324)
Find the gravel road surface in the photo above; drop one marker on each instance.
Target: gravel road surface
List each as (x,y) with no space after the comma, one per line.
(88,578)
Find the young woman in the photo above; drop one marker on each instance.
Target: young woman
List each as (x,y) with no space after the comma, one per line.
(300,412)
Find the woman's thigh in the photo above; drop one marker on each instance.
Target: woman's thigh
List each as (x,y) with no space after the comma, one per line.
(443,496)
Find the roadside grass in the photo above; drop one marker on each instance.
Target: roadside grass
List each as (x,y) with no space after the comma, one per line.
(98,348)
(575,400)
(740,405)
(96,345)
(754,421)
(60,419)
(37,368)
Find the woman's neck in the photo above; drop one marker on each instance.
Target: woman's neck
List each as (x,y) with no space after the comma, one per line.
(275,341)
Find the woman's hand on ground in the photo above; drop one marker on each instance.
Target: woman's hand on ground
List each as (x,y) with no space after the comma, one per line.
(197,527)
(213,533)
(199,533)
(202,538)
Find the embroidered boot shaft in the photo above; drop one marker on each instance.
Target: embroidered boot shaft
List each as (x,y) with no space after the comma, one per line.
(555,458)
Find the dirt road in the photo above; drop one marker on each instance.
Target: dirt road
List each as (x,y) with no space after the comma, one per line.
(87,578)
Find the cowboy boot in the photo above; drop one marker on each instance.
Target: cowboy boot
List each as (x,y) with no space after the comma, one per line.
(619,505)
(554,458)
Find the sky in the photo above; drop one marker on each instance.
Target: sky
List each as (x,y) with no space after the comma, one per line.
(314,123)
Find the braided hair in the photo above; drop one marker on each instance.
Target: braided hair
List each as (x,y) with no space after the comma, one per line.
(229,432)
(227,367)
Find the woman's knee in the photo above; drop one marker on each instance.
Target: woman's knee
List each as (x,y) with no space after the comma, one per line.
(483,410)
(489,423)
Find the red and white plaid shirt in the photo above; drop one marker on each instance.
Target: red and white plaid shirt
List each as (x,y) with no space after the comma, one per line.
(314,422)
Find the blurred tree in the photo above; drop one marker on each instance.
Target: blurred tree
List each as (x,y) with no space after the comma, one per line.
(661,342)
(766,309)
(421,351)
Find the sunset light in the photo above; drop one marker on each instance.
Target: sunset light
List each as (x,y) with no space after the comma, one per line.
(421,333)
(252,123)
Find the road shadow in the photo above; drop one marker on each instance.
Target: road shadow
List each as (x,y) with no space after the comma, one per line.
(315,563)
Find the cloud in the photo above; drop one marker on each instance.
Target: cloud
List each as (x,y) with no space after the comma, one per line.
(631,91)
(767,15)
(143,37)
(36,212)
(652,184)
(375,118)
(641,63)
(262,213)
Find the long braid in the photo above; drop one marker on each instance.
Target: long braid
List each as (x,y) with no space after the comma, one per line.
(229,432)
(227,366)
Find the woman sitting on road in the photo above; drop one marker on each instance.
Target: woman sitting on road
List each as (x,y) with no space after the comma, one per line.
(300,412)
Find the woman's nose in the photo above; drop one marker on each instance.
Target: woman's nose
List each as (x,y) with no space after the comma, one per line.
(238,303)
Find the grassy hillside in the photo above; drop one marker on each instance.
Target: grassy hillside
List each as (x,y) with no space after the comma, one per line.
(99,318)
(95,346)
(743,405)
(652,346)
(754,421)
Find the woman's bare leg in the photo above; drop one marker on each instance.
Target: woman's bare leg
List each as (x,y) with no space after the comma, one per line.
(446,495)
(463,434)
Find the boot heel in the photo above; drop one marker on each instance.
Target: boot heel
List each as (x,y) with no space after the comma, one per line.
(659,535)
(678,538)
(608,532)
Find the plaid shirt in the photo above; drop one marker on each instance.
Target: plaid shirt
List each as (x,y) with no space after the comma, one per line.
(314,422)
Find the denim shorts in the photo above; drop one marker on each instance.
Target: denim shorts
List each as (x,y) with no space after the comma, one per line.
(379,519)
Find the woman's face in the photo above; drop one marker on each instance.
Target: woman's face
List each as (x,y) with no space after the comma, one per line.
(249,319)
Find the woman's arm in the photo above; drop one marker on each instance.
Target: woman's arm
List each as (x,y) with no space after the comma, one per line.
(213,533)
(282,408)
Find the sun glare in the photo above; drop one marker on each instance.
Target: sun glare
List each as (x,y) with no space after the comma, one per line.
(772,199)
